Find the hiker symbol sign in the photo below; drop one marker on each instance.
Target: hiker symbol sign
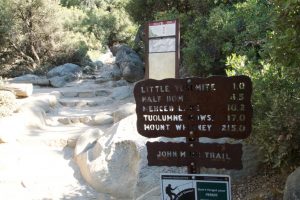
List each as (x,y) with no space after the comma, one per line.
(195,187)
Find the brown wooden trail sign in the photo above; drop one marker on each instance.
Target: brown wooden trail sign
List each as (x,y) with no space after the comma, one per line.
(213,107)
(215,155)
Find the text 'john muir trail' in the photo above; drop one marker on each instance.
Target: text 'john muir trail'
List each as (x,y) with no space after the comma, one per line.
(199,154)
(185,154)
(212,107)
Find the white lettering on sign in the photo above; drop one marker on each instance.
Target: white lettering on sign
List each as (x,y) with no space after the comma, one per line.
(189,108)
(171,154)
(158,108)
(156,127)
(200,127)
(157,88)
(179,88)
(204,127)
(174,99)
(151,99)
(180,127)
(205,87)
(162,118)
(233,128)
(211,194)
(212,107)
(214,155)
(200,118)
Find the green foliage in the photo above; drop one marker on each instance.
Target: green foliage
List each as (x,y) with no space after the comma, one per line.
(275,75)
(70,3)
(253,19)
(109,27)
(232,28)
(74,49)
(5,21)
(142,11)
(102,22)
(37,37)
(284,39)
(37,34)
(276,103)
(107,4)
(208,41)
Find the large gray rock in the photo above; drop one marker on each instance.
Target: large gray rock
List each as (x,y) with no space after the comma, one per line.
(109,72)
(86,140)
(115,48)
(124,111)
(102,119)
(132,72)
(130,63)
(122,92)
(118,83)
(62,74)
(292,186)
(66,69)
(31,78)
(110,163)
(116,164)
(99,64)
(58,81)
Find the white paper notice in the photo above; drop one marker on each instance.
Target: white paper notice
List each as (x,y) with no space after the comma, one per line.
(162,29)
(162,45)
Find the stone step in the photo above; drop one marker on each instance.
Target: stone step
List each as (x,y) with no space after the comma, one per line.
(86,94)
(86,102)
(74,120)
(92,120)
(92,116)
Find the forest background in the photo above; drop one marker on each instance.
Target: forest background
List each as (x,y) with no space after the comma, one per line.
(257,38)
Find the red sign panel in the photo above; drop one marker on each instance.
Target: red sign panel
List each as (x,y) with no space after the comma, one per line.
(213,107)
(215,155)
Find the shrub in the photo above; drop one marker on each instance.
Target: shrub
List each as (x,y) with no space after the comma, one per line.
(37,36)
(109,26)
(276,100)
